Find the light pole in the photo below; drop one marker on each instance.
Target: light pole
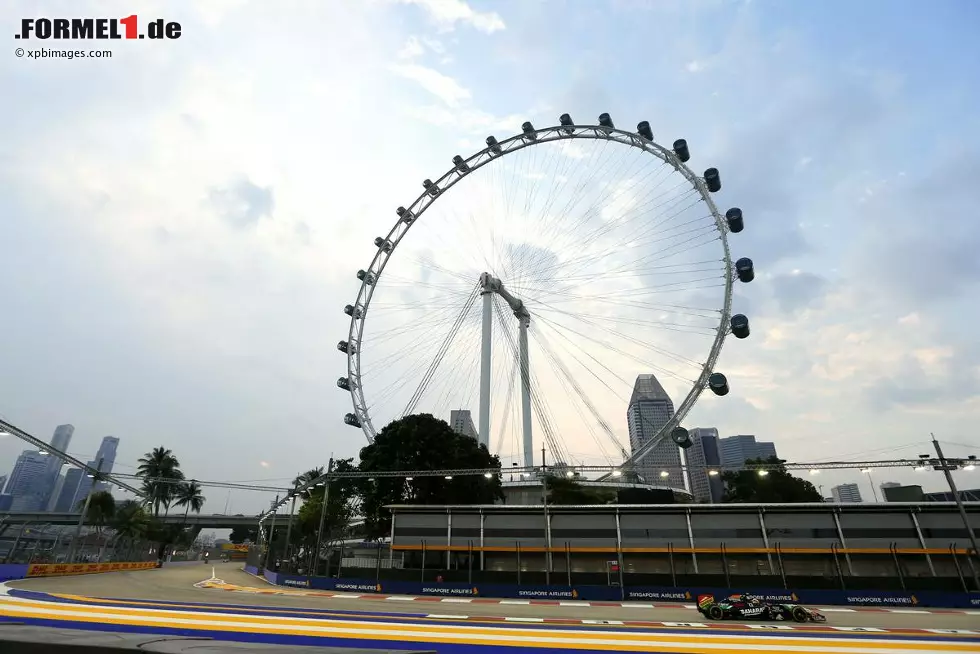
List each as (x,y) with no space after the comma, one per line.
(81,518)
(956,496)
(272,533)
(323,514)
(871,480)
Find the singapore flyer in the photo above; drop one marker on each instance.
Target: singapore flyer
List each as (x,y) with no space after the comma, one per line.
(524,292)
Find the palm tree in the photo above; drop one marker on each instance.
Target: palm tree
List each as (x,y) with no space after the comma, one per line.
(130,523)
(159,470)
(189,495)
(305,478)
(101,509)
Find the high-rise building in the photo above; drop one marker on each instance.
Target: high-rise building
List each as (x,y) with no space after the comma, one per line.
(765,450)
(71,491)
(650,409)
(736,450)
(107,455)
(846,493)
(461,420)
(703,459)
(3,482)
(60,441)
(77,485)
(26,485)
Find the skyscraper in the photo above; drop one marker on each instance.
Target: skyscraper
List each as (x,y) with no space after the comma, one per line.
(461,421)
(846,493)
(736,450)
(106,454)
(703,456)
(26,485)
(77,485)
(649,410)
(60,441)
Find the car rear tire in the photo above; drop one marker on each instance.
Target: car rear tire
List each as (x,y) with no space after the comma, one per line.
(715,612)
(799,614)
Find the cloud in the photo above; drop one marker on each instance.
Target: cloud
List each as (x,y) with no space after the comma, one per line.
(412,48)
(797,290)
(446,13)
(243,203)
(451,92)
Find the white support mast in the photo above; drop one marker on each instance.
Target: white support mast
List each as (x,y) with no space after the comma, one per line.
(491,285)
(484,432)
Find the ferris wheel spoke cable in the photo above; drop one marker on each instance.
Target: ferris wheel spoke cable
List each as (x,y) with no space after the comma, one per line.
(584,420)
(508,397)
(635,240)
(611,348)
(677,358)
(541,409)
(627,217)
(441,352)
(641,209)
(564,373)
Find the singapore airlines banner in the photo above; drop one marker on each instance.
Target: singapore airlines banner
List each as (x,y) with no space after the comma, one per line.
(63,569)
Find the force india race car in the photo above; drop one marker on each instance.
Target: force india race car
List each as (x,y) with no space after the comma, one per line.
(753,608)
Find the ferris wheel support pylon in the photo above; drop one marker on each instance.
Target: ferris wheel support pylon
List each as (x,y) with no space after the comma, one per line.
(489,286)
(485,370)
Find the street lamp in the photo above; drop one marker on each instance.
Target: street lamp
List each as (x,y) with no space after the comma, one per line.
(871,481)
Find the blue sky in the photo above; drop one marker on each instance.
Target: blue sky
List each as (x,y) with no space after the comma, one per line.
(180,223)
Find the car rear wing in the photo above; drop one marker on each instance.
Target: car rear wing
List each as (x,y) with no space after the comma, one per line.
(704,601)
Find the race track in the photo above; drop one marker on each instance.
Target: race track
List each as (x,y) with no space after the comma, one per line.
(239,606)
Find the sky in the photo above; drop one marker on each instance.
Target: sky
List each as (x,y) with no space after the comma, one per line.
(181,223)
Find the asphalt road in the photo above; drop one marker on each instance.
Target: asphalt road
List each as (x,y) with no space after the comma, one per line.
(176,583)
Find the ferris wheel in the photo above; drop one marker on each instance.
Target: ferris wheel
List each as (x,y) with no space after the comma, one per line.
(535,280)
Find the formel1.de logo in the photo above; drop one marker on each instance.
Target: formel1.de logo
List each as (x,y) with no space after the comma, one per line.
(97,28)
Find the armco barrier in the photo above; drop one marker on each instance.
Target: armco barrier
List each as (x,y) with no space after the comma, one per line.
(936,599)
(64,569)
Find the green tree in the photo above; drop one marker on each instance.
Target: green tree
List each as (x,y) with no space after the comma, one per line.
(160,471)
(190,497)
(130,523)
(343,503)
(101,509)
(776,487)
(423,442)
(240,534)
(565,491)
(305,478)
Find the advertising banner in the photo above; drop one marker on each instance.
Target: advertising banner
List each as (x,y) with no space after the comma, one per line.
(63,569)
(659,595)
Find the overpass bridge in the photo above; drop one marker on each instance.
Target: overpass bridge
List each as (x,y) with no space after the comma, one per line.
(214,521)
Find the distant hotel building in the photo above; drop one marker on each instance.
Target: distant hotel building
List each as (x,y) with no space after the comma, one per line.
(704,456)
(461,421)
(736,450)
(650,409)
(846,493)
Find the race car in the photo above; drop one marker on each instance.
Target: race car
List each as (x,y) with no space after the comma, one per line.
(751,607)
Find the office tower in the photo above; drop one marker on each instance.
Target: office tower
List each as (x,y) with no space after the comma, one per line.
(462,423)
(71,489)
(26,485)
(650,409)
(60,441)
(107,454)
(3,483)
(55,493)
(703,458)
(736,450)
(765,450)
(846,493)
